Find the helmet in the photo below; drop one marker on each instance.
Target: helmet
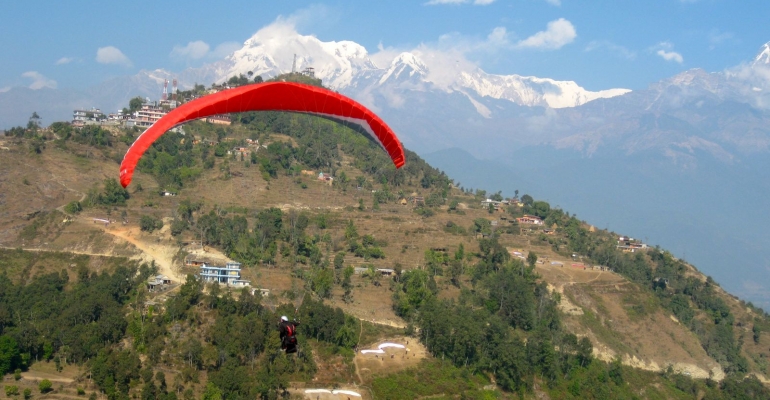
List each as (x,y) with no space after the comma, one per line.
(283,318)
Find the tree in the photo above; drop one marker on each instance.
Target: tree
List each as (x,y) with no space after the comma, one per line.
(212,392)
(339,259)
(482,225)
(34,122)
(135,104)
(531,259)
(113,193)
(455,271)
(9,354)
(350,231)
(527,200)
(346,284)
(148,223)
(756,333)
(453,205)
(616,371)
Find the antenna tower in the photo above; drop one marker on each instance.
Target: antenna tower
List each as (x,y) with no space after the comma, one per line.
(165,90)
(294,65)
(173,93)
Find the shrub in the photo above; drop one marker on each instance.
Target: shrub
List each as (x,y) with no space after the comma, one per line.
(45,386)
(11,390)
(424,212)
(73,207)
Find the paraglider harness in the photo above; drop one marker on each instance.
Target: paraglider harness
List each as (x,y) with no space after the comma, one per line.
(288,336)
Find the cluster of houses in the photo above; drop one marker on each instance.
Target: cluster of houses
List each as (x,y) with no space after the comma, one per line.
(498,204)
(95,116)
(149,113)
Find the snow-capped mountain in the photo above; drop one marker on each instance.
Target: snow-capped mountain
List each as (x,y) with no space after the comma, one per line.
(763,57)
(347,67)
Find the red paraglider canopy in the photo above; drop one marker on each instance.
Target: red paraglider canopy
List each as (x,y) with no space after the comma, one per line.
(270,96)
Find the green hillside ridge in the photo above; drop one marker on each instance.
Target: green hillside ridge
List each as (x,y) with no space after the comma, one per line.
(490,324)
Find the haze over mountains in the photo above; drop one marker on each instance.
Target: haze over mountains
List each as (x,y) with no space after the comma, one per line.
(683,163)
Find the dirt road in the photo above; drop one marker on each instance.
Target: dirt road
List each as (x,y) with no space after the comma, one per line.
(161,253)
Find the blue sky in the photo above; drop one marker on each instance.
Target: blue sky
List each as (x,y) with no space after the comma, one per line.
(600,44)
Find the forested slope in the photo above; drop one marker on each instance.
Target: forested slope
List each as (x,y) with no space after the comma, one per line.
(476,287)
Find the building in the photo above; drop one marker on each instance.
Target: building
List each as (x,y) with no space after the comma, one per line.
(309,71)
(325,177)
(245,151)
(530,219)
(147,115)
(496,204)
(629,245)
(92,115)
(219,119)
(229,274)
(158,282)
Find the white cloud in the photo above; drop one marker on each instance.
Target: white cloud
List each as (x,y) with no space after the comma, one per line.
(194,50)
(64,60)
(666,51)
(201,50)
(39,81)
(5,89)
(554,2)
(611,47)
(670,56)
(717,38)
(225,49)
(112,55)
(557,34)
(753,81)
(475,2)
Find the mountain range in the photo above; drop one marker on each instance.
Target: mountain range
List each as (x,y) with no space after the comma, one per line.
(683,162)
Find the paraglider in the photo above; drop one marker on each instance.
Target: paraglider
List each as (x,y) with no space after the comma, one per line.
(288,330)
(270,96)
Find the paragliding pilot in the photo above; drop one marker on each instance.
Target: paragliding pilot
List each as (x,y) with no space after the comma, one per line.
(288,332)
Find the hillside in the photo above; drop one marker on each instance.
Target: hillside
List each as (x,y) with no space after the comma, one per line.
(556,324)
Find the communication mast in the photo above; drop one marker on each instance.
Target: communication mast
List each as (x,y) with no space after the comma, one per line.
(173,93)
(165,90)
(294,64)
